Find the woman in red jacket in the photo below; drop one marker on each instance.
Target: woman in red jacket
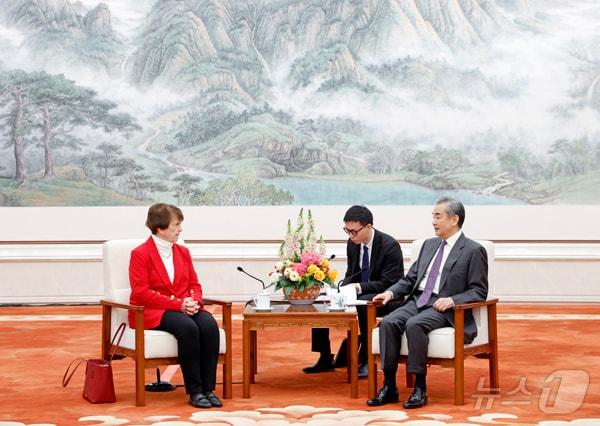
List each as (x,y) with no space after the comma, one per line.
(163,280)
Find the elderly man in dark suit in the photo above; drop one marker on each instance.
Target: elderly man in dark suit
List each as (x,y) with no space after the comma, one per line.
(374,263)
(451,269)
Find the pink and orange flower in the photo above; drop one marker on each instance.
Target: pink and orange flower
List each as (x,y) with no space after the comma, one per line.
(301,265)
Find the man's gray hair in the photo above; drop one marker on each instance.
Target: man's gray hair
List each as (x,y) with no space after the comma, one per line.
(453,207)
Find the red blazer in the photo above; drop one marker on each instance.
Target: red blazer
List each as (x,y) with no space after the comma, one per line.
(150,284)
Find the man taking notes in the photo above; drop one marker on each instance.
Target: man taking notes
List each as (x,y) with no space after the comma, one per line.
(374,263)
(450,269)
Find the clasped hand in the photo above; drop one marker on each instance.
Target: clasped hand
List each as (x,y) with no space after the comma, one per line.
(190,306)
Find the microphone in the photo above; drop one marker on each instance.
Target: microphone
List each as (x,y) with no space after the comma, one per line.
(239,268)
(331,257)
(348,278)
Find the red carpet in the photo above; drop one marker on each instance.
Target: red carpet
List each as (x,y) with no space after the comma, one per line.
(535,342)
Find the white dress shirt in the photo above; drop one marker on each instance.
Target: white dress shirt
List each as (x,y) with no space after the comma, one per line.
(449,244)
(369,245)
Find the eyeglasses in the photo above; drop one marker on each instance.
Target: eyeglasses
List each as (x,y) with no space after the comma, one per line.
(353,232)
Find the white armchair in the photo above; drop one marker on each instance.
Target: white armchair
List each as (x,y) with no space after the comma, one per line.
(149,348)
(446,345)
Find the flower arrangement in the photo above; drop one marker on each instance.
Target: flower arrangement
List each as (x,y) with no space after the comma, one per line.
(301,266)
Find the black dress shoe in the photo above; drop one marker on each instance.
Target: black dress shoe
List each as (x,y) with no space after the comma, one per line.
(321,366)
(384,396)
(417,399)
(213,399)
(341,358)
(363,371)
(340,363)
(199,400)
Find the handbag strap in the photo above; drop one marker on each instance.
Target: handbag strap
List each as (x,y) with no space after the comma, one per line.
(66,379)
(120,331)
(78,361)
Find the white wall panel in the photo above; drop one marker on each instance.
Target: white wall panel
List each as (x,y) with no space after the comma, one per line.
(72,273)
(513,223)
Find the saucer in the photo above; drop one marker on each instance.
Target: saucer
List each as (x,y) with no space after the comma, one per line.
(329,308)
(270,308)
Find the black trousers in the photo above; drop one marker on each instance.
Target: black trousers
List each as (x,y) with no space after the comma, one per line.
(198,345)
(320,336)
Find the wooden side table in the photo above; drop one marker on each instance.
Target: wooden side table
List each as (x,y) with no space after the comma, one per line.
(308,316)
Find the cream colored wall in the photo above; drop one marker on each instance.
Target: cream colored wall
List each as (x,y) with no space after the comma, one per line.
(53,254)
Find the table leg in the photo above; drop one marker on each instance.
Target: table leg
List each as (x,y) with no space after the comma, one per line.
(353,348)
(246,343)
(348,355)
(253,355)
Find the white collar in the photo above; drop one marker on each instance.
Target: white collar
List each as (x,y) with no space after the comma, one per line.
(370,243)
(165,248)
(453,239)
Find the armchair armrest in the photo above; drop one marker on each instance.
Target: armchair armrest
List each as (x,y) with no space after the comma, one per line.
(208,301)
(375,303)
(107,306)
(225,309)
(111,304)
(459,322)
(475,304)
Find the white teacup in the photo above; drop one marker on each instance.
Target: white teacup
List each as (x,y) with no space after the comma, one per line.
(337,300)
(262,301)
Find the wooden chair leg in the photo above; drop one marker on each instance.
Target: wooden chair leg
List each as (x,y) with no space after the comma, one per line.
(493,342)
(140,392)
(227,379)
(459,380)
(494,375)
(140,360)
(371,364)
(106,328)
(372,377)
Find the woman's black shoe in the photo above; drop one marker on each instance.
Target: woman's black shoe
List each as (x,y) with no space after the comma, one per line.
(199,400)
(213,399)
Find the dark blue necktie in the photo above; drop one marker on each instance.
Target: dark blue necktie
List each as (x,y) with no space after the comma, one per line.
(433,273)
(364,273)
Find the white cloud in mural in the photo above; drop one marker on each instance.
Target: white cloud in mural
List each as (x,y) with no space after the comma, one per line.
(12,36)
(127,15)
(534,61)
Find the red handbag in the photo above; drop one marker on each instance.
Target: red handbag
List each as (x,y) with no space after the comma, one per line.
(98,386)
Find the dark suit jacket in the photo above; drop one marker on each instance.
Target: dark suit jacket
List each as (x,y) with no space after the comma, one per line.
(386,265)
(150,284)
(464,277)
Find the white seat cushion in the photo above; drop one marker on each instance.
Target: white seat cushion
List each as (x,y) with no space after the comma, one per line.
(160,344)
(157,344)
(441,340)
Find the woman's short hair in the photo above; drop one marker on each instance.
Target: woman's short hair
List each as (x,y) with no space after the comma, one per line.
(160,215)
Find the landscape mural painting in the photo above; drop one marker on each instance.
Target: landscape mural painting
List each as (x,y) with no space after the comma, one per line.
(273,102)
